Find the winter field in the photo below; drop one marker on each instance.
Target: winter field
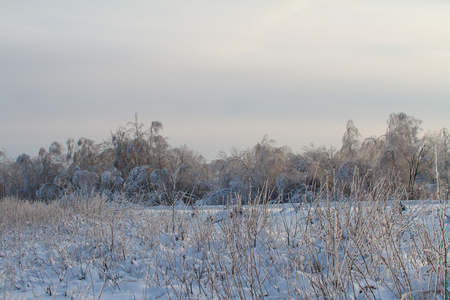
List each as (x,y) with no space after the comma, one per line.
(362,246)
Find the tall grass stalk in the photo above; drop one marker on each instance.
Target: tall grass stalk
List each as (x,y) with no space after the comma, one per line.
(352,244)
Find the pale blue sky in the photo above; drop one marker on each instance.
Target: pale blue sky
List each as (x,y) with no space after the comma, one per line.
(219,73)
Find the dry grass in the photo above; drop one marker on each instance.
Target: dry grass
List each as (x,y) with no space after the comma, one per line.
(362,246)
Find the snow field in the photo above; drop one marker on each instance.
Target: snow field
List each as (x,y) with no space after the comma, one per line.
(359,248)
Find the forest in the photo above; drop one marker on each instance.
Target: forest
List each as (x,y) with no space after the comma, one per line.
(137,163)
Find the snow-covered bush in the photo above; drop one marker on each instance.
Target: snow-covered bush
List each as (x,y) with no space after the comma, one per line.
(111,180)
(48,191)
(85,180)
(219,197)
(138,181)
(161,180)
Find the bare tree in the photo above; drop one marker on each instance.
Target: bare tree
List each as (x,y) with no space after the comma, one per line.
(85,154)
(322,163)
(233,172)
(3,174)
(190,172)
(407,150)
(158,145)
(270,163)
(442,142)
(350,142)
(133,146)
(138,147)
(29,174)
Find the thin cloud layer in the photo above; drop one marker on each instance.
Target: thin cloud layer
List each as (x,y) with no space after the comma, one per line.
(79,68)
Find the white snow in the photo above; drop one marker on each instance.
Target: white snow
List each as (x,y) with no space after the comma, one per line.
(95,249)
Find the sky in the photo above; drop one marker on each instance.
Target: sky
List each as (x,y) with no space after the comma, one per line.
(219,74)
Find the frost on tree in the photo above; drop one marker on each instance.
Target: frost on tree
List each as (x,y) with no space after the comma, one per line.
(219,197)
(111,180)
(138,181)
(48,191)
(85,180)
(349,173)
(164,190)
(28,172)
(161,180)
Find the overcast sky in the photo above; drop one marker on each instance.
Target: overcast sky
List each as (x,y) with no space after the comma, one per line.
(219,74)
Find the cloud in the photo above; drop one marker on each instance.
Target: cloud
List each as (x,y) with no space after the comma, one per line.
(197,65)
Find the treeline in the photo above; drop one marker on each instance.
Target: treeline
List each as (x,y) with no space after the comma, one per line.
(136,162)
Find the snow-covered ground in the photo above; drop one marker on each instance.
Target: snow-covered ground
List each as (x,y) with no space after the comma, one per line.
(93,249)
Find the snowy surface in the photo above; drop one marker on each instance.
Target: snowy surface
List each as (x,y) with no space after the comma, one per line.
(342,250)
